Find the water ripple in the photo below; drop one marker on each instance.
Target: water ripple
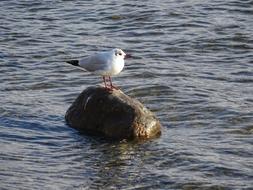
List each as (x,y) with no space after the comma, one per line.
(191,65)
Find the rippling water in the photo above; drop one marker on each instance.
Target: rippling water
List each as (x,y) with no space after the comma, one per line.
(192,66)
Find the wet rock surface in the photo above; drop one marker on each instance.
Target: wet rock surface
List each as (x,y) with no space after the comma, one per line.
(111,114)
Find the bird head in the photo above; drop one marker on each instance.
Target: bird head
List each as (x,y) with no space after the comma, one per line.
(120,54)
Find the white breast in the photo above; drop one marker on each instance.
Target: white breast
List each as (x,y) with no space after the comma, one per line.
(117,66)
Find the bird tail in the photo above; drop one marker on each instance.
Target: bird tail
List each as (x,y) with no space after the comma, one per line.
(73,62)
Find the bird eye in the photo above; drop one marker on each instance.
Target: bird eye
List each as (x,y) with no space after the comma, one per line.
(120,54)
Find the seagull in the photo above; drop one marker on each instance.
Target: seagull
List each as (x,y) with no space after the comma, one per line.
(106,64)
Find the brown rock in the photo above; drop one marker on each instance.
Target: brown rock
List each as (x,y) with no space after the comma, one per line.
(112,114)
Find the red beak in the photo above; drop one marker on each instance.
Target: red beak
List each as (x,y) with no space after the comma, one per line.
(128,56)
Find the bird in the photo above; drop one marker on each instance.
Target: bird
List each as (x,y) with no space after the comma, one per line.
(105,64)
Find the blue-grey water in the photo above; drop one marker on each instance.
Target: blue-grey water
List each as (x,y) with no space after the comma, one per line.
(192,66)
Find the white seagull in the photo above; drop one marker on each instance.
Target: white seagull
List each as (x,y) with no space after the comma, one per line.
(106,64)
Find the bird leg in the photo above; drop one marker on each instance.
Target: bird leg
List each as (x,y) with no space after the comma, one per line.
(109,88)
(104,81)
(110,82)
(112,86)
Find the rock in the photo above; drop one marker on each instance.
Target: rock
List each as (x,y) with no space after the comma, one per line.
(113,115)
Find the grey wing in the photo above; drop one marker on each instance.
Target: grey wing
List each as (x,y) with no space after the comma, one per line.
(94,63)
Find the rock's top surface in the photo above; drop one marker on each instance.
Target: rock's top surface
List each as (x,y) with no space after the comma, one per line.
(112,114)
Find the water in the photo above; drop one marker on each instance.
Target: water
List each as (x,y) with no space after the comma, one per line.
(192,66)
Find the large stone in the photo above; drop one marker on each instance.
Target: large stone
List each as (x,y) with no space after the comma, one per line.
(112,114)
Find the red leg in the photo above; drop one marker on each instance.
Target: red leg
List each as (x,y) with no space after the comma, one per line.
(104,81)
(110,82)
(107,87)
(112,87)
